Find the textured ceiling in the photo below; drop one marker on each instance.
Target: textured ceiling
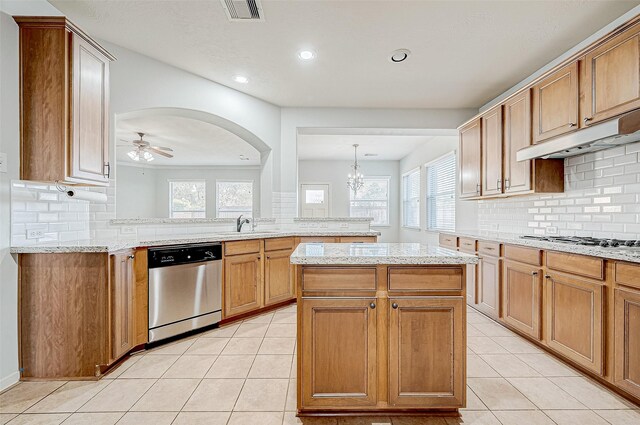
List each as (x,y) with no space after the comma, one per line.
(464,52)
(193,142)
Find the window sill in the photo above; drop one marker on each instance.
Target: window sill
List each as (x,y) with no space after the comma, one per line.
(412,228)
(381,225)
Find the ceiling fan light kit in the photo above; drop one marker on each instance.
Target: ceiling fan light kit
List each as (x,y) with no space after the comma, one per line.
(142,150)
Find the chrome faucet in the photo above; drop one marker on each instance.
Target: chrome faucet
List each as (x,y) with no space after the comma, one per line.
(240,221)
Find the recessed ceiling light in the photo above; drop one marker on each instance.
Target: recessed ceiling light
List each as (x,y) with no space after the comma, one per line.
(306,55)
(240,79)
(399,55)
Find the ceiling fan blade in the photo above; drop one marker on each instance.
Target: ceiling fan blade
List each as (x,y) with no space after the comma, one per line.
(162,148)
(159,152)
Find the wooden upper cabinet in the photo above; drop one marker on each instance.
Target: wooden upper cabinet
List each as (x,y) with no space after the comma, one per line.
(338,340)
(492,152)
(627,341)
(555,104)
(64,118)
(611,78)
(470,159)
(242,284)
(517,135)
(423,373)
(122,288)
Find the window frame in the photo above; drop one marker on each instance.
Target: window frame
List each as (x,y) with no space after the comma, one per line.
(454,191)
(388,200)
(171,211)
(403,201)
(253,188)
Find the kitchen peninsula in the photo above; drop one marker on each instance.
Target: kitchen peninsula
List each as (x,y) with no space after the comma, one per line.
(381,328)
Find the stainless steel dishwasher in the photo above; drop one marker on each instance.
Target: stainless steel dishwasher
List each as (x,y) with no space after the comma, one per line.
(185,288)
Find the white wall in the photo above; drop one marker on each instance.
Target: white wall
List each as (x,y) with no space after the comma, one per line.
(466,211)
(9,136)
(335,173)
(136,192)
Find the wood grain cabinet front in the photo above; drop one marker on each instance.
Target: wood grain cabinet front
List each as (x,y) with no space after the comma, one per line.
(278,282)
(627,341)
(122,293)
(488,286)
(574,322)
(338,340)
(522,297)
(492,153)
(64,118)
(470,159)
(242,283)
(426,352)
(517,135)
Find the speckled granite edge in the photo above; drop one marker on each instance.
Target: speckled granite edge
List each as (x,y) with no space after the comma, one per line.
(117,245)
(632,256)
(345,219)
(121,221)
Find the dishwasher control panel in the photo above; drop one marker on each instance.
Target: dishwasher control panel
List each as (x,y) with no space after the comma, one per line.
(183,254)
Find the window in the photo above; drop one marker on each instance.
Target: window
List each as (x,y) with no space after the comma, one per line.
(187,199)
(441,193)
(372,200)
(314,196)
(411,199)
(234,198)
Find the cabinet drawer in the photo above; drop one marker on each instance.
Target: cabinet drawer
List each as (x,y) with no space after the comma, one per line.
(242,247)
(278,244)
(467,245)
(627,274)
(449,241)
(489,248)
(425,279)
(523,255)
(339,279)
(318,239)
(576,264)
(358,239)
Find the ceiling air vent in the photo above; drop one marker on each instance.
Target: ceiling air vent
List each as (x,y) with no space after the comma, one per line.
(243,10)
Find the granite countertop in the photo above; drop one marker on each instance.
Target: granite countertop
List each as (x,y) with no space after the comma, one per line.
(112,245)
(142,221)
(377,253)
(622,254)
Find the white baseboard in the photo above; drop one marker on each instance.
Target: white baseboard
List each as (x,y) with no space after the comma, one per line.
(9,381)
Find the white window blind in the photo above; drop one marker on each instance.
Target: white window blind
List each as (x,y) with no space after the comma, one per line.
(187,199)
(411,199)
(441,193)
(372,200)
(233,199)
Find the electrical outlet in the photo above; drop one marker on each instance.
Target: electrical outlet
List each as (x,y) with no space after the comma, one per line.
(35,234)
(552,230)
(324,225)
(3,162)
(344,225)
(128,230)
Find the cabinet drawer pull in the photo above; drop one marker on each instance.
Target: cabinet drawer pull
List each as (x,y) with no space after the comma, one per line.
(547,276)
(394,305)
(478,188)
(131,256)
(534,273)
(372,305)
(587,119)
(499,184)
(572,124)
(507,184)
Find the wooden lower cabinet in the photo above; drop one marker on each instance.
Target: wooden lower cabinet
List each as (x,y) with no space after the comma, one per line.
(278,282)
(338,340)
(122,290)
(242,283)
(574,323)
(626,374)
(423,373)
(489,277)
(522,297)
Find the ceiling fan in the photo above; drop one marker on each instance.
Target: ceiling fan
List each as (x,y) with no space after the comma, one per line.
(142,150)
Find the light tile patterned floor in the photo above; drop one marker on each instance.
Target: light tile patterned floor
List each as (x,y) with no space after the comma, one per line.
(244,374)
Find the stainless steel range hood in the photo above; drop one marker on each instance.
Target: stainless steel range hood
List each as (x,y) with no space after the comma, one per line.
(619,131)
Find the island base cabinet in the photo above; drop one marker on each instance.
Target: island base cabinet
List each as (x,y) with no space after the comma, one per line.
(574,325)
(338,343)
(522,295)
(426,352)
(627,341)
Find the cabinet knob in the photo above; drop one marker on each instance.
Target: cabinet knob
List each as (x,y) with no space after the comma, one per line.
(132,256)
(372,305)
(534,273)
(572,124)
(507,184)
(547,276)
(394,305)
(587,119)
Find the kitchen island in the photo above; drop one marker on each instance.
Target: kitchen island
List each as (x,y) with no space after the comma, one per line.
(381,329)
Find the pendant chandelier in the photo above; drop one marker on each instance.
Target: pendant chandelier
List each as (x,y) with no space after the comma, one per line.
(355,179)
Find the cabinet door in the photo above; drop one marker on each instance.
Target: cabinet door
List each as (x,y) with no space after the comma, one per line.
(278,284)
(555,104)
(517,135)
(242,278)
(338,343)
(627,341)
(611,78)
(89,144)
(492,152)
(574,320)
(470,165)
(522,297)
(488,296)
(426,352)
(122,313)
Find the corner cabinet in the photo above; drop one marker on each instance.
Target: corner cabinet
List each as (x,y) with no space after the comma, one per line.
(470,159)
(64,118)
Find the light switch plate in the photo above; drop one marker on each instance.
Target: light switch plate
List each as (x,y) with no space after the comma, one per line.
(3,162)
(127,230)
(552,230)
